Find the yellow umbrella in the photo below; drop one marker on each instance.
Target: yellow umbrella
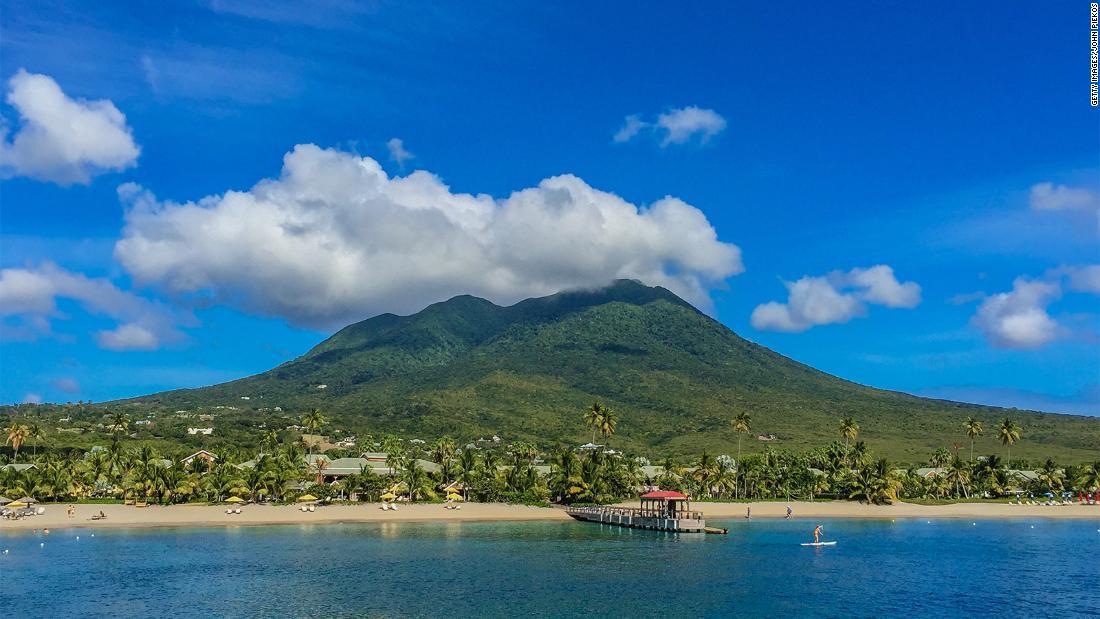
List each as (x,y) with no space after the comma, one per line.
(389,496)
(306,497)
(234,499)
(14,504)
(454,497)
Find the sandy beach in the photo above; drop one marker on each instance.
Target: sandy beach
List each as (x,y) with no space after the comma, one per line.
(214,515)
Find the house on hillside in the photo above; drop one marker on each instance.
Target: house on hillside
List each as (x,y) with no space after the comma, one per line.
(201,454)
(202,431)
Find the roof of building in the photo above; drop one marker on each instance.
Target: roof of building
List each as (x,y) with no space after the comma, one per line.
(18,466)
(664,494)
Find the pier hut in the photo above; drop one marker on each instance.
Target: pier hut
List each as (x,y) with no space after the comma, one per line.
(660,510)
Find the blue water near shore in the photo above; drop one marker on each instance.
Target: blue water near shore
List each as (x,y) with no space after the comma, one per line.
(1035,568)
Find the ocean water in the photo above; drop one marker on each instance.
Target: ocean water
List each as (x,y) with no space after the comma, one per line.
(912,568)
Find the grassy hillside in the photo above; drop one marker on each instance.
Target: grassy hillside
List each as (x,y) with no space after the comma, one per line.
(469,368)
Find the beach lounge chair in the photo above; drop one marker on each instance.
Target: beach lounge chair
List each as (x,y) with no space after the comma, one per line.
(312,508)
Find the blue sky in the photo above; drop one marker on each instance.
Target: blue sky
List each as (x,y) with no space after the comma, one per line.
(805,145)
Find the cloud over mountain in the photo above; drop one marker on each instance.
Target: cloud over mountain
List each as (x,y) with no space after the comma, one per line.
(60,139)
(335,239)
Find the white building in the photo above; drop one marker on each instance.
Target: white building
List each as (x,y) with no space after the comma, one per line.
(203,431)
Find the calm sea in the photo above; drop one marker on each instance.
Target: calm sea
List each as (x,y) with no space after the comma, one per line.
(1032,568)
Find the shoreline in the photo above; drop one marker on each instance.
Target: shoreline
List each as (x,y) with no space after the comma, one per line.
(125,516)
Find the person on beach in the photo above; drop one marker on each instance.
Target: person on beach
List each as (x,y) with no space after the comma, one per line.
(789,512)
(817,534)
(748,513)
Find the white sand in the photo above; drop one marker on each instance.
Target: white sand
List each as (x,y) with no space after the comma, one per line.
(214,515)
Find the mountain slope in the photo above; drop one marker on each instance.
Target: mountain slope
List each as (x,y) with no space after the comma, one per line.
(469,368)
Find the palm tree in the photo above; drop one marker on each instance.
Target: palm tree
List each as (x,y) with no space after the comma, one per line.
(269,439)
(1009,434)
(313,422)
(17,435)
(958,474)
(119,423)
(594,417)
(973,430)
(415,479)
(1090,477)
(939,458)
(443,450)
(1051,476)
(874,484)
(607,424)
(740,425)
(849,429)
(34,431)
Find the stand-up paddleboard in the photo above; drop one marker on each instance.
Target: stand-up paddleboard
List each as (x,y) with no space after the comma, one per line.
(819,544)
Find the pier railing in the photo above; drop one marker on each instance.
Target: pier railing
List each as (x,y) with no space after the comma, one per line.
(638,512)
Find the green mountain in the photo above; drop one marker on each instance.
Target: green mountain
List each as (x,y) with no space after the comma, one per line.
(469,368)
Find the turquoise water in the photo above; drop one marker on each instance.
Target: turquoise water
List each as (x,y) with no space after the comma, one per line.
(1032,568)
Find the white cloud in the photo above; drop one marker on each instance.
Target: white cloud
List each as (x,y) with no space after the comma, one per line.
(686,123)
(32,398)
(1084,278)
(835,298)
(632,125)
(676,126)
(68,385)
(63,140)
(1018,319)
(1051,197)
(29,297)
(129,336)
(882,288)
(397,151)
(334,239)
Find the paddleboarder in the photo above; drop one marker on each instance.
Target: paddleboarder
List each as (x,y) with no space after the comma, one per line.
(817,534)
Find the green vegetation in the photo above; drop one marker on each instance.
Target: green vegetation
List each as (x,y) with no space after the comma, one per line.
(518,472)
(470,369)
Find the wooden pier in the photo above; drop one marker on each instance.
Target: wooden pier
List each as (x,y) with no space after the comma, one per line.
(660,511)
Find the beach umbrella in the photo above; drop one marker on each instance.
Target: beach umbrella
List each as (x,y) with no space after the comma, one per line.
(234,499)
(15,504)
(4,500)
(453,497)
(28,500)
(305,498)
(389,496)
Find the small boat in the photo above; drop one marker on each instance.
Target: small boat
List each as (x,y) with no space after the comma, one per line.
(716,530)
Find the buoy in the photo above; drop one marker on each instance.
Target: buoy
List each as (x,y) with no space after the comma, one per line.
(77,537)
(42,545)
(1032,526)
(974,524)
